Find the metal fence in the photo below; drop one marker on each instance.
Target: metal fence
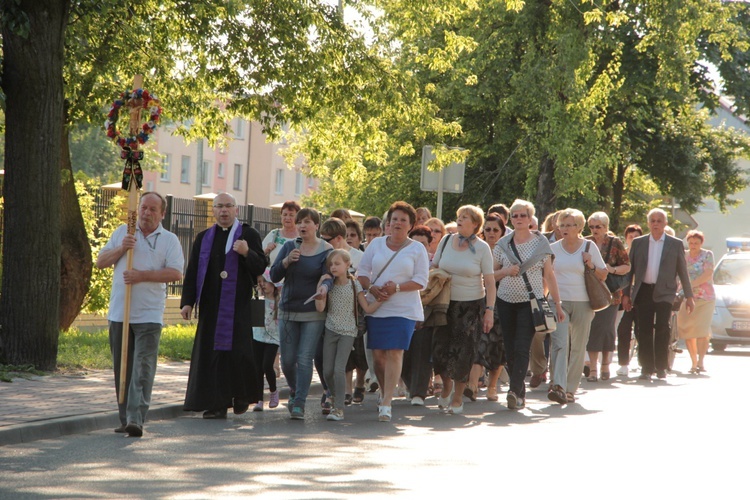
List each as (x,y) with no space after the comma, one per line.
(187,217)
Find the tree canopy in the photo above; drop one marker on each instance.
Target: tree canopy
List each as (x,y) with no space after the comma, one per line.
(554,100)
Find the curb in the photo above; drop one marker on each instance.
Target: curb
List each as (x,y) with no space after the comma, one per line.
(79,424)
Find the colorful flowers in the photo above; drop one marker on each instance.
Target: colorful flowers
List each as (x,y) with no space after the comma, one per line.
(148,102)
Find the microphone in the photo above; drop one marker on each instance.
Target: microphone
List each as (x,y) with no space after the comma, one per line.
(298,242)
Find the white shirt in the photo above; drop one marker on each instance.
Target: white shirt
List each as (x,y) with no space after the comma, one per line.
(411,264)
(655,248)
(569,270)
(159,250)
(355,254)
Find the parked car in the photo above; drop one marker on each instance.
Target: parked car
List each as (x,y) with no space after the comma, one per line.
(731,321)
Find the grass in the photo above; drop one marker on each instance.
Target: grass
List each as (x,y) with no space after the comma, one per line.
(90,350)
(9,372)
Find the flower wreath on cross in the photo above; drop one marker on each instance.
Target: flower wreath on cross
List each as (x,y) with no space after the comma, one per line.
(149,103)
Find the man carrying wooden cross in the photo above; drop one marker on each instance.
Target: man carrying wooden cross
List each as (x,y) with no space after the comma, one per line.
(157,260)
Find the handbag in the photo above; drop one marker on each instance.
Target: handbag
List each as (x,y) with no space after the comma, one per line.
(678,299)
(257,310)
(599,295)
(359,314)
(615,282)
(541,313)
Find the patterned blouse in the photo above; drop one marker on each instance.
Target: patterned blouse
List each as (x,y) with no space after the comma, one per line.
(696,267)
(617,256)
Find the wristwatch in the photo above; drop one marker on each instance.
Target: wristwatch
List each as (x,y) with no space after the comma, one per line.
(398,288)
(489,308)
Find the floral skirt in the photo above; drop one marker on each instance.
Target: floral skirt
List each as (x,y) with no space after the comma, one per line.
(490,347)
(454,346)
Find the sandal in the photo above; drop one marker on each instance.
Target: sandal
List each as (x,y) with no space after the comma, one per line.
(569,397)
(492,394)
(557,395)
(359,395)
(470,393)
(592,376)
(605,375)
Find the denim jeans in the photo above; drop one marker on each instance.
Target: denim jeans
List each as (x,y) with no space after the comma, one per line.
(299,340)
(518,331)
(143,350)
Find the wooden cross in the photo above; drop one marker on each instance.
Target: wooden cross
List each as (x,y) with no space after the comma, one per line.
(135,105)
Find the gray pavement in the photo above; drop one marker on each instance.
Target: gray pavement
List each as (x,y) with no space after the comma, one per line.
(44,407)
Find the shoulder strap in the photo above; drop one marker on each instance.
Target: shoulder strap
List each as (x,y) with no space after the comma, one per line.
(442,247)
(523,274)
(354,291)
(406,243)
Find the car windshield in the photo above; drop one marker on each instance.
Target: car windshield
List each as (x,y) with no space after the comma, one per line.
(732,272)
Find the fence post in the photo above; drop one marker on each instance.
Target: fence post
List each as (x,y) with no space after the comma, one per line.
(251,215)
(167,222)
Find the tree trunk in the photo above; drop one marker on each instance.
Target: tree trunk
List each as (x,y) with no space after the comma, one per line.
(76,263)
(618,188)
(33,85)
(546,188)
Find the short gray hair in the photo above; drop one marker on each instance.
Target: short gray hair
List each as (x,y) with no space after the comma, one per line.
(599,217)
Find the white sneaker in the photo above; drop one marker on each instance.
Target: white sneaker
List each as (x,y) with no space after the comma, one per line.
(623,371)
(417,401)
(336,415)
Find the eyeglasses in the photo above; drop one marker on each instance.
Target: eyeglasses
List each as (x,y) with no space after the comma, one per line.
(327,239)
(566,226)
(521,215)
(492,229)
(595,227)
(437,231)
(224,205)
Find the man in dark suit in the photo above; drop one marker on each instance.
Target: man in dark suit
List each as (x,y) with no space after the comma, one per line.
(657,260)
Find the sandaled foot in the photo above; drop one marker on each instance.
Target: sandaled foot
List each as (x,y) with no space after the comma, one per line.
(569,397)
(605,375)
(592,376)
(492,394)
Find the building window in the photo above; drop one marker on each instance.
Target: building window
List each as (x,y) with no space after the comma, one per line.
(299,182)
(239,129)
(166,168)
(279,181)
(222,171)
(206,173)
(185,170)
(310,183)
(150,186)
(237,177)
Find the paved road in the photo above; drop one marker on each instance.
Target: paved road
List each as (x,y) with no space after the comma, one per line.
(687,438)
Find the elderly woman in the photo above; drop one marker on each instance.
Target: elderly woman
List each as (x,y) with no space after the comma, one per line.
(300,264)
(471,310)
(602,335)
(490,351)
(568,342)
(417,368)
(438,231)
(695,328)
(275,239)
(625,326)
(393,269)
(523,256)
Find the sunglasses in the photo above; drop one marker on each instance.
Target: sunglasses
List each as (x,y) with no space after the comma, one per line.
(595,227)
(327,239)
(492,229)
(516,216)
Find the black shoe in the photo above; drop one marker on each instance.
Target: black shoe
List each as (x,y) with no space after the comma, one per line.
(586,371)
(662,374)
(644,376)
(239,407)
(359,395)
(121,430)
(215,414)
(347,399)
(134,430)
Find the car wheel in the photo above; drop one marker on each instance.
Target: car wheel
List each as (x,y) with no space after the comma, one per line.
(718,347)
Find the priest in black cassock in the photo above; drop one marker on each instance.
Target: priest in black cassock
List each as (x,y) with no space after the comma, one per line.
(224,263)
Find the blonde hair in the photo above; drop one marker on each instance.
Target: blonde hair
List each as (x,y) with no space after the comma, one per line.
(340,252)
(519,205)
(574,214)
(475,214)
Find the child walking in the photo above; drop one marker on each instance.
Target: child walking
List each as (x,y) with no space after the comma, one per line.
(266,341)
(340,326)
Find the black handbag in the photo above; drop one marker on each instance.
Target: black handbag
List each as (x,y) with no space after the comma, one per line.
(257,310)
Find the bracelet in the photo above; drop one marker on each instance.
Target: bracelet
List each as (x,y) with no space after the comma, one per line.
(398,288)
(489,308)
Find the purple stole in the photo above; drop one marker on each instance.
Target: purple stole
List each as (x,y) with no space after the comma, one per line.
(225,318)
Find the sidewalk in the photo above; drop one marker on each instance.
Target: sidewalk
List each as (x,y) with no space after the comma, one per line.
(44,407)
